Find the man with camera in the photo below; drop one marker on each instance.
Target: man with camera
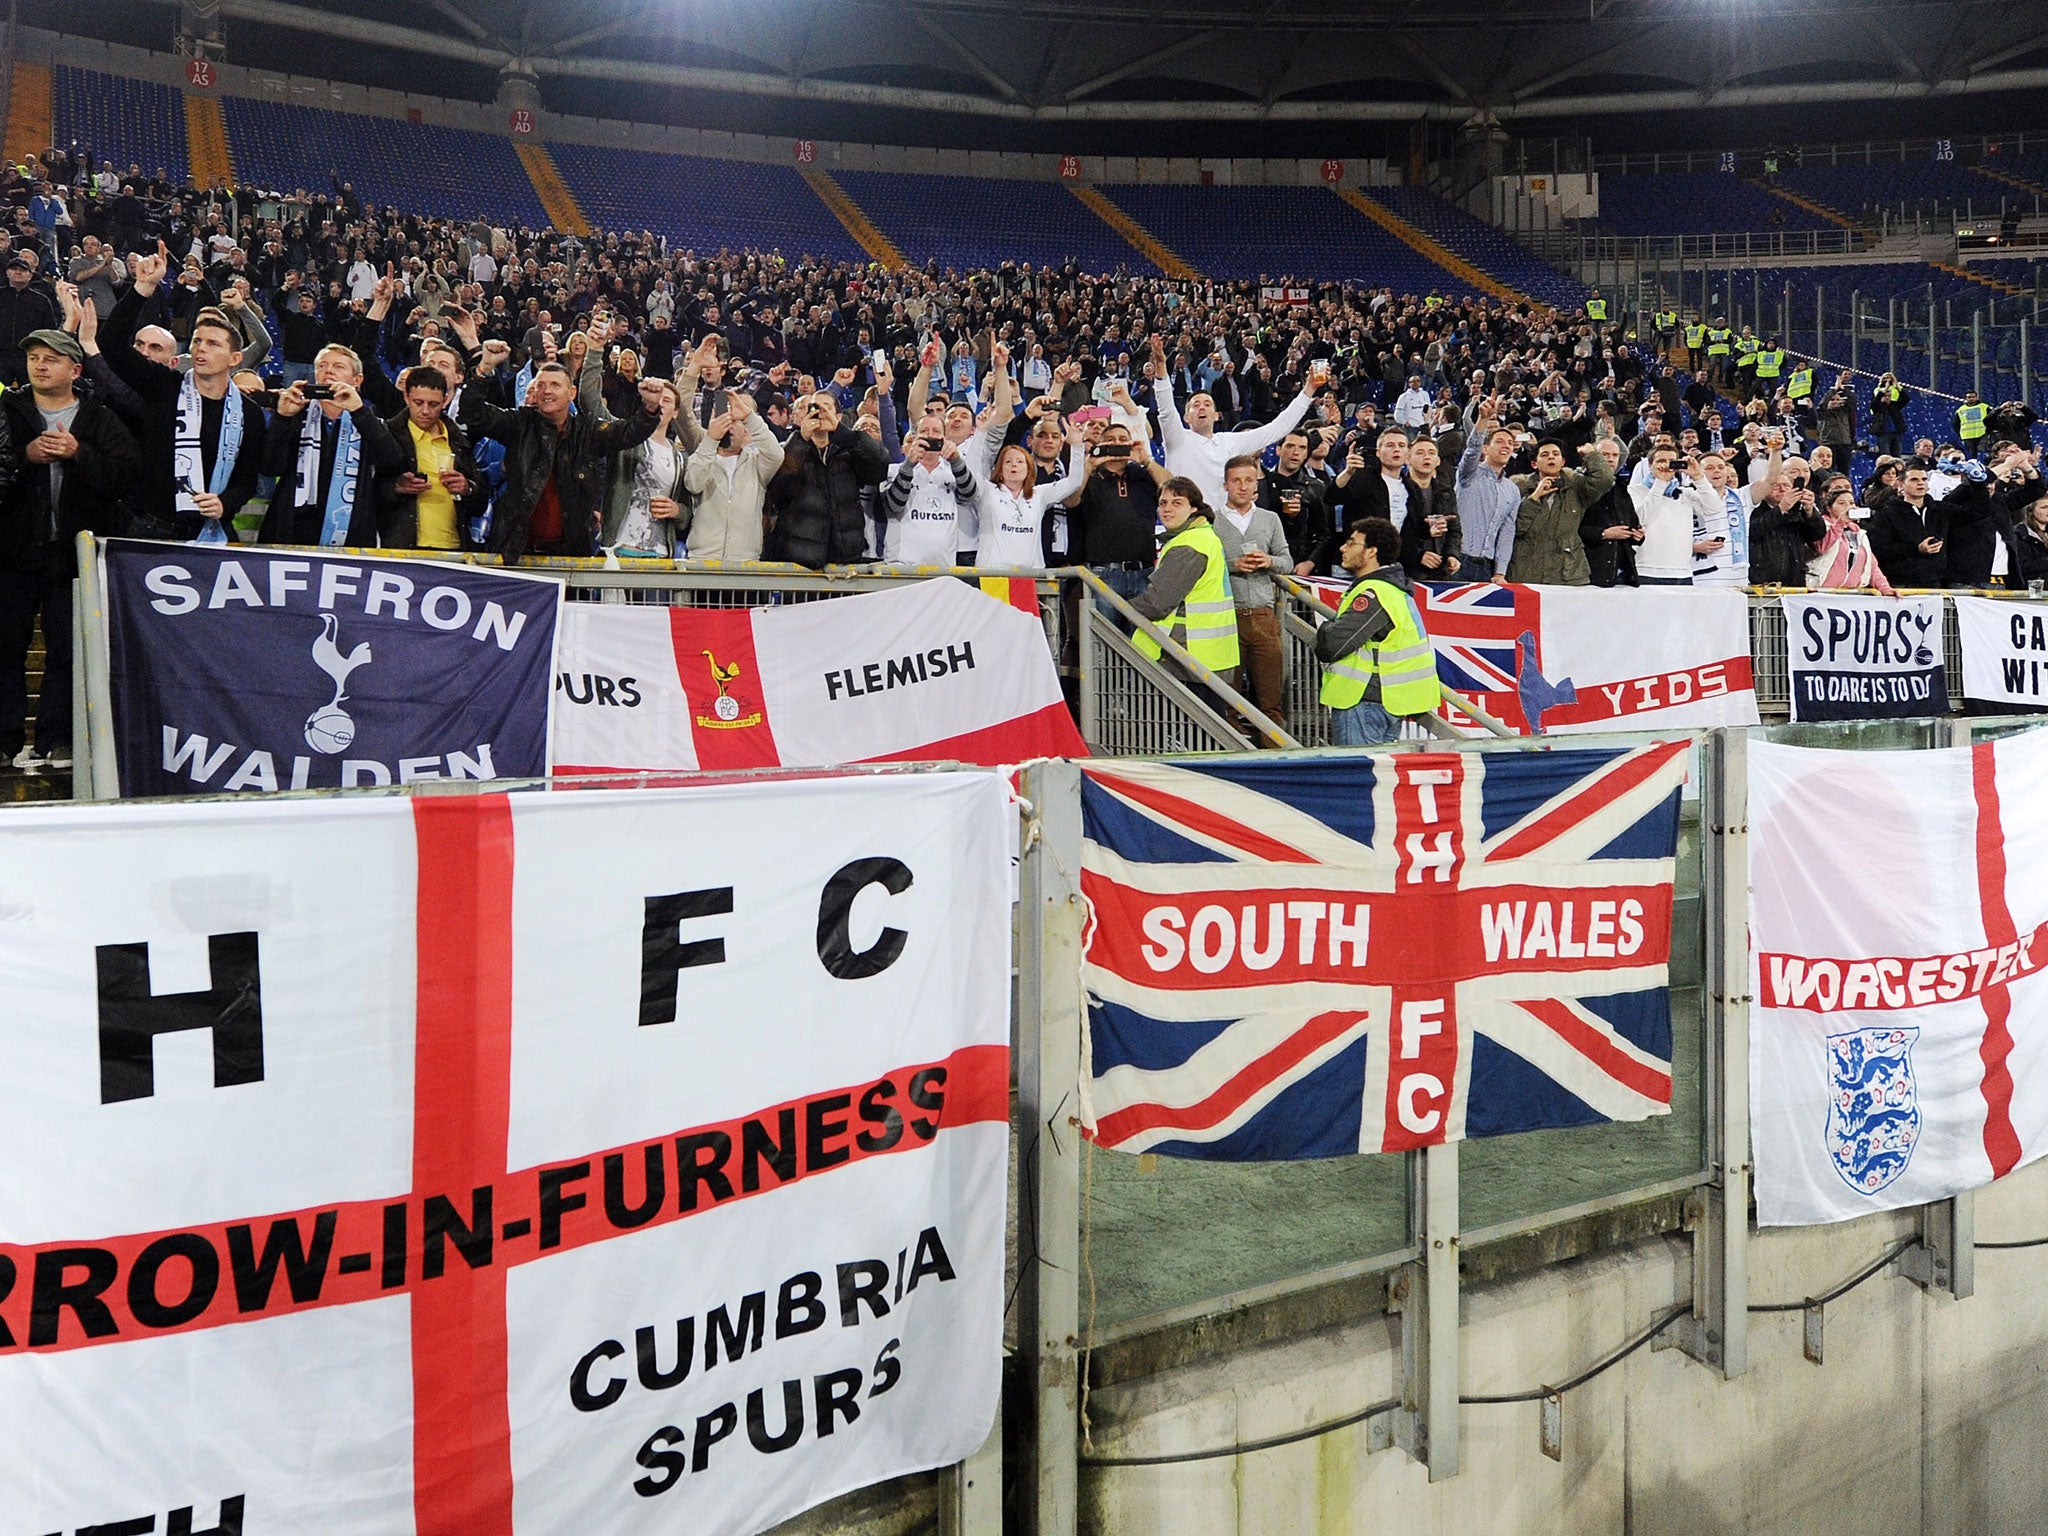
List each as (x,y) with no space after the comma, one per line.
(326,460)
(1115,514)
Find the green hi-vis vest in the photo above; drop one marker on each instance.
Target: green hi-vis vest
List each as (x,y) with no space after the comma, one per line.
(1695,335)
(1800,385)
(1403,662)
(1970,421)
(1596,309)
(1717,341)
(1769,362)
(1206,621)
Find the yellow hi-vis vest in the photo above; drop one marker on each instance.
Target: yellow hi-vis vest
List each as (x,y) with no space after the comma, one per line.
(1970,421)
(1769,361)
(1206,621)
(1404,662)
(1800,385)
(1666,319)
(1717,341)
(1695,335)
(1596,309)
(1746,349)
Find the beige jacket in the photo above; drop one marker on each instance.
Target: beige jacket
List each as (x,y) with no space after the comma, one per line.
(724,519)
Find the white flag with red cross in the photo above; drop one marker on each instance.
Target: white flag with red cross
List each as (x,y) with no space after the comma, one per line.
(933,672)
(1899,927)
(492,1165)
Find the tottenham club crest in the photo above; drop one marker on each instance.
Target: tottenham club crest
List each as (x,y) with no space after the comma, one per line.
(330,728)
(1873,1106)
(726,714)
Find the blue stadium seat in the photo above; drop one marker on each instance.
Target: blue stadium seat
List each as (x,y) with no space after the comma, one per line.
(976,221)
(439,172)
(1694,203)
(130,122)
(704,205)
(1491,250)
(1244,232)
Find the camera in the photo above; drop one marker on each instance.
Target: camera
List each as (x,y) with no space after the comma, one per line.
(932,444)
(319,391)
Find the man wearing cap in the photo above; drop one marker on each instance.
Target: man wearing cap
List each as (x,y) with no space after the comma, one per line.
(23,308)
(70,461)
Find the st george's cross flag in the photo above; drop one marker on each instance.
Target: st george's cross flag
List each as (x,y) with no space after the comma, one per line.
(1376,953)
(936,671)
(1899,927)
(500,1165)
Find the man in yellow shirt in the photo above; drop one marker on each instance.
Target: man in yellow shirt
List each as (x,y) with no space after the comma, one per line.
(438,487)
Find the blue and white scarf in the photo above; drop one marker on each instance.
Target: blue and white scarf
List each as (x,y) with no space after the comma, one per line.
(341,488)
(189,455)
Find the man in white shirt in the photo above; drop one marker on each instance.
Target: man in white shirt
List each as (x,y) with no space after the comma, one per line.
(1254,546)
(1195,449)
(1411,410)
(362,280)
(483,268)
(929,502)
(1668,506)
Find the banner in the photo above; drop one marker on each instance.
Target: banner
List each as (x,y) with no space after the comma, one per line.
(1557,659)
(935,671)
(1899,922)
(629,1162)
(1376,953)
(235,668)
(2005,650)
(1865,658)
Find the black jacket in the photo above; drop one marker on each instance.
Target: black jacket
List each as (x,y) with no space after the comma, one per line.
(91,488)
(155,501)
(815,499)
(1974,529)
(398,516)
(1895,533)
(1439,500)
(1611,562)
(1781,542)
(2026,559)
(288,521)
(574,456)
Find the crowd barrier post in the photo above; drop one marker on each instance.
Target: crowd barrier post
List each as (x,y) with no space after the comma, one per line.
(1429,1427)
(1049,1068)
(1717,1333)
(95,775)
(971,1491)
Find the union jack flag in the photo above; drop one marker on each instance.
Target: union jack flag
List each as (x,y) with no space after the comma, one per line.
(1379,952)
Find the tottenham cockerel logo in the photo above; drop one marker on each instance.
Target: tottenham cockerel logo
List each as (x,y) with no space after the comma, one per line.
(330,728)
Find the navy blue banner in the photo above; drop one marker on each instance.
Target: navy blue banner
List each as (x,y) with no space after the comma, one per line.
(236,668)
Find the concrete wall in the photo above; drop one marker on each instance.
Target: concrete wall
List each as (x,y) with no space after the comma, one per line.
(484,117)
(1928,1418)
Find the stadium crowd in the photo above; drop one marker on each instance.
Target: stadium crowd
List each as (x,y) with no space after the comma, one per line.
(372,377)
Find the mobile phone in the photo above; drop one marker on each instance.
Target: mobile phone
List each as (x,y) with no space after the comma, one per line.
(932,444)
(1089,413)
(319,392)
(1110,451)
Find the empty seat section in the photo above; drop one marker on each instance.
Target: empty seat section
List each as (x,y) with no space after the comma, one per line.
(701,204)
(1241,232)
(978,221)
(1695,203)
(1861,191)
(440,172)
(1491,250)
(130,122)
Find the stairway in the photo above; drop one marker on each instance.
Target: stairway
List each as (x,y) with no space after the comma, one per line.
(2007,289)
(1423,245)
(857,224)
(563,211)
(1136,235)
(1819,210)
(2032,188)
(206,140)
(31,113)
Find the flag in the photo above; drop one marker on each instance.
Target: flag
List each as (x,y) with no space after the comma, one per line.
(500,1165)
(1899,922)
(1547,659)
(1376,953)
(932,672)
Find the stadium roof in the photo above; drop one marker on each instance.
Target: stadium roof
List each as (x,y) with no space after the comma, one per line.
(1538,65)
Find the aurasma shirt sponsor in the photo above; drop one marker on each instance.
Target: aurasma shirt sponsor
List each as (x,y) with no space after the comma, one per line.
(900,671)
